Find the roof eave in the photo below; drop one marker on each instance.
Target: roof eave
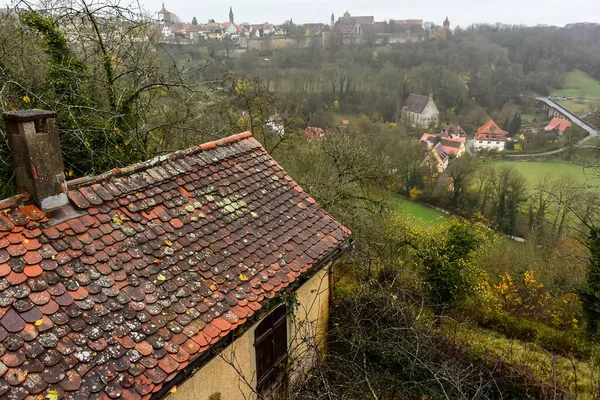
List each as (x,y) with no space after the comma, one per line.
(197,364)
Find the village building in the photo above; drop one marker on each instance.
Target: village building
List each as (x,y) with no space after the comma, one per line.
(348,24)
(165,17)
(260,30)
(420,111)
(314,132)
(452,147)
(490,136)
(161,278)
(436,160)
(312,29)
(559,125)
(454,132)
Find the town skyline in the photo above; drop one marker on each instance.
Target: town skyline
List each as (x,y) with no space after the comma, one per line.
(464,13)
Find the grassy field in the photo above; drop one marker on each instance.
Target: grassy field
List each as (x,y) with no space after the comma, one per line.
(534,170)
(576,107)
(428,216)
(574,376)
(579,84)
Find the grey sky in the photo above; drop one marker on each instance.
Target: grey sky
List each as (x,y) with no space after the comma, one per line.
(463,12)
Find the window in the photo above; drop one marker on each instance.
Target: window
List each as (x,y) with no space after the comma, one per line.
(271,350)
(489,142)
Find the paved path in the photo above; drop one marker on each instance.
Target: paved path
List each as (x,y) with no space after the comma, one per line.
(593,132)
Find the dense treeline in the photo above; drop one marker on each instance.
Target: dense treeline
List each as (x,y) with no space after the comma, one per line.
(486,66)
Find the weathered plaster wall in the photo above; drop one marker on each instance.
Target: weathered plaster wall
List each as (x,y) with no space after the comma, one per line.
(219,376)
(308,329)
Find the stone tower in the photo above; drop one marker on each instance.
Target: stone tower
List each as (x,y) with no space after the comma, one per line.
(332,19)
(230,14)
(447,23)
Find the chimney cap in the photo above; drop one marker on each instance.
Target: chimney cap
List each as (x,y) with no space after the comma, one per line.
(28,115)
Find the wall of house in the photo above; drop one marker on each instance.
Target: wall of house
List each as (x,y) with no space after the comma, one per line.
(309,327)
(220,376)
(489,144)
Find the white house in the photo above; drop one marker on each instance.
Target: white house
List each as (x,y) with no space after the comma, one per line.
(490,136)
(275,124)
(165,17)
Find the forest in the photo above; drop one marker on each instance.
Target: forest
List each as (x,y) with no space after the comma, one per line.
(450,309)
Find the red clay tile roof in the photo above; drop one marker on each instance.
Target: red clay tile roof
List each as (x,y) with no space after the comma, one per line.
(558,123)
(452,146)
(166,258)
(490,131)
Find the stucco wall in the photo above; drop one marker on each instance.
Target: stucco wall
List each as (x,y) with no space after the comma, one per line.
(483,144)
(219,376)
(308,329)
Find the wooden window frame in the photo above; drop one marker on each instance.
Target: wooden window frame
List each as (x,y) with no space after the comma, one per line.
(266,335)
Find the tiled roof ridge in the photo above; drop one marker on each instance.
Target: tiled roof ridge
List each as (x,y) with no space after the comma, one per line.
(144,165)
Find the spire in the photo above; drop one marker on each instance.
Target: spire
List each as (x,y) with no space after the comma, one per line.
(230,14)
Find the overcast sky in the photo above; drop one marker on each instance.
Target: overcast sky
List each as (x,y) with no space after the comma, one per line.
(462,12)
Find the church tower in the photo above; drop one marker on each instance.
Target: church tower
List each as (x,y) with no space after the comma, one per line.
(230,14)
(332,19)
(447,23)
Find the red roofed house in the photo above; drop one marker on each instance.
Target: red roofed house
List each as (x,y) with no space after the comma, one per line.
(490,136)
(429,139)
(452,147)
(128,283)
(454,132)
(558,124)
(314,132)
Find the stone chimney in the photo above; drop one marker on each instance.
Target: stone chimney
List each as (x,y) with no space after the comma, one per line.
(37,160)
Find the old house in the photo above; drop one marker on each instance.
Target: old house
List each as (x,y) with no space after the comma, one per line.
(455,132)
(452,147)
(260,30)
(420,111)
(314,132)
(168,273)
(436,160)
(490,136)
(559,125)
(165,17)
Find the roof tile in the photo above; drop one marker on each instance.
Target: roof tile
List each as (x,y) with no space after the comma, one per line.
(141,295)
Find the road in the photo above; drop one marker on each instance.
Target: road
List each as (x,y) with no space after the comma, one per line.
(593,132)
